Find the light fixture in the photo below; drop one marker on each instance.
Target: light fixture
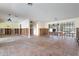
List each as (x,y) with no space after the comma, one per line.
(9,18)
(29,4)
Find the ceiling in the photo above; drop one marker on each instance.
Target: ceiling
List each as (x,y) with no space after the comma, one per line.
(43,12)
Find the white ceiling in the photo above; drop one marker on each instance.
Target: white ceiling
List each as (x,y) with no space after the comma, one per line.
(41,11)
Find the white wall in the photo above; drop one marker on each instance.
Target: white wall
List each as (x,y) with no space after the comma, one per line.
(77,22)
(36,32)
(41,25)
(25,23)
(61,21)
(9,25)
(37,26)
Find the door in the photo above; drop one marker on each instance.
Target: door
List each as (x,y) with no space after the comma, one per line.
(17,31)
(8,31)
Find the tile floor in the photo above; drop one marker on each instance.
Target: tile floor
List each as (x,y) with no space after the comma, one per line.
(38,46)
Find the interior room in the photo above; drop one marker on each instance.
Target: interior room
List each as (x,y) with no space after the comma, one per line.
(39,29)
